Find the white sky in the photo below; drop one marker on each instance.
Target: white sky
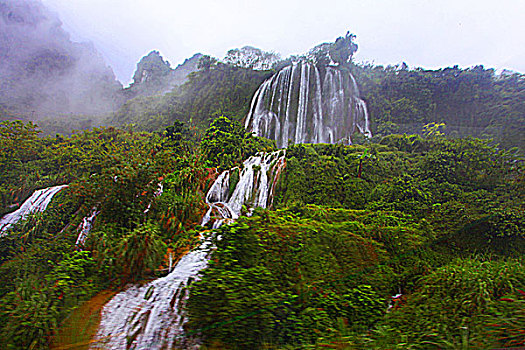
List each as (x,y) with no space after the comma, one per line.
(423,33)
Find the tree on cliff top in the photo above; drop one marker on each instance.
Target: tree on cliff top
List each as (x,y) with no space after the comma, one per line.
(343,49)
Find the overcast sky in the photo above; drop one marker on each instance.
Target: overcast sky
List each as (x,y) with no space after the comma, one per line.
(422,33)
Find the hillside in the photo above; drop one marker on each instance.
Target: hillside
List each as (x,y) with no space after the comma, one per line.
(255,202)
(221,90)
(353,226)
(154,76)
(470,102)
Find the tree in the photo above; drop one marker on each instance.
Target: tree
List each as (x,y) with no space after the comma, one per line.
(206,62)
(343,49)
(178,137)
(222,142)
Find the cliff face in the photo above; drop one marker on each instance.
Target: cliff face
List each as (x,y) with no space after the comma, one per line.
(154,75)
(43,72)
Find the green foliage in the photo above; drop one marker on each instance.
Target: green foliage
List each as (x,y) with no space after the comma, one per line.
(179,138)
(206,62)
(18,142)
(209,93)
(433,129)
(222,143)
(354,225)
(140,250)
(500,232)
(122,194)
(310,263)
(180,207)
(42,284)
(455,306)
(29,315)
(343,49)
(392,217)
(471,102)
(226,144)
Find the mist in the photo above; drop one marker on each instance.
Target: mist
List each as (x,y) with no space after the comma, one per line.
(428,34)
(44,73)
(51,68)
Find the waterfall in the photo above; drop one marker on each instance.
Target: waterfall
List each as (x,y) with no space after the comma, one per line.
(85,227)
(304,104)
(38,201)
(252,189)
(151,316)
(160,190)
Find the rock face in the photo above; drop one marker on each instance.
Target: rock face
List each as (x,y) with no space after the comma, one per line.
(43,72)
(154,75)
(307,104)
(251,57)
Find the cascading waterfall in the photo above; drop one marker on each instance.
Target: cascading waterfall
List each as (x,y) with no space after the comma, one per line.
(305,104)
(151,316)
(85,227)
(38,201)
(254,188)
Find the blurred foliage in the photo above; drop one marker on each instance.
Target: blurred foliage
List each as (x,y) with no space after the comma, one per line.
(226,144)
(467,304)
(353,226)
(360,223)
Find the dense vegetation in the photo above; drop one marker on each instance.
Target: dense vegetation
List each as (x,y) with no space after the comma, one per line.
(440,221)
(117,173)
(471,102)
(436,218)
(354,225)
(213,91)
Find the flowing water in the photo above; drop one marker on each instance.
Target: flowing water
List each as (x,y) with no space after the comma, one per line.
(38,202)
(304,104)
(151,316)
(254,188)
(85,227)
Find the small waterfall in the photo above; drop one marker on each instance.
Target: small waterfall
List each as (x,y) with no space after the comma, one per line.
(38,201)
(151,316)
(306,105)
(160,190)
(253,189)
(85,227)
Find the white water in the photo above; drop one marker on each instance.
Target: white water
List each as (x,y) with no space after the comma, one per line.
(85,227)
(304,105)
(38,201)
(129,320)
(151,316)
(253,188)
